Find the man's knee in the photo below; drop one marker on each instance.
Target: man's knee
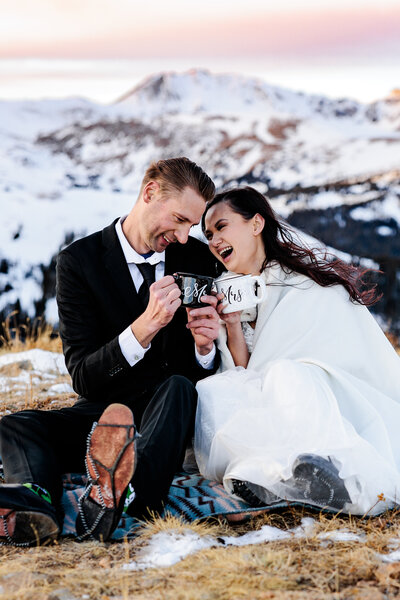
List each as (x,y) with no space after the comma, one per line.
(20,425)
(9,432)
(180,382)
(179,390)
(7,425)
(183,385)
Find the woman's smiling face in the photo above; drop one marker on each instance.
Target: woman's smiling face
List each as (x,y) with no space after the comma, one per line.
(235,241)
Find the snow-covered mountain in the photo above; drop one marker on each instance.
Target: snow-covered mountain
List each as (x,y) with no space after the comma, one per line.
(68,167)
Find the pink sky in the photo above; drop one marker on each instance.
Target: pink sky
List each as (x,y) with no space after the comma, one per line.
(103,29)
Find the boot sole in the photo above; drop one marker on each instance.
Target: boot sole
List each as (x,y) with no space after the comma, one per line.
(326,488)
(108,452)
(33,529)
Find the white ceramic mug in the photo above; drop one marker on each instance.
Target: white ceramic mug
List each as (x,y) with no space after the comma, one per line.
(241,291)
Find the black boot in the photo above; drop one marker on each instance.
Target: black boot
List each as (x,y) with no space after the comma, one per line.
(319,481)
(255,495)
(25,518)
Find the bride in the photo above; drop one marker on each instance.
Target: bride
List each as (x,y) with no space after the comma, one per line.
(306,406)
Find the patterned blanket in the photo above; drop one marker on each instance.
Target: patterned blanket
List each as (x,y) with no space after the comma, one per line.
(191,497)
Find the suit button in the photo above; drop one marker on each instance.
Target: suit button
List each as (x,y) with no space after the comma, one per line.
(115,370)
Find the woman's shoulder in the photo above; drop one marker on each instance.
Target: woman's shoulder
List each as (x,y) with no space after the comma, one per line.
(276,274)
(282,281)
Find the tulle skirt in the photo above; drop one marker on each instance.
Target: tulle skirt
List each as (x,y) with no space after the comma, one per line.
(252,427)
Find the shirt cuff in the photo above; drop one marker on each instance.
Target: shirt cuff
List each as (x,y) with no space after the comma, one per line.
(206,361)
(130,347)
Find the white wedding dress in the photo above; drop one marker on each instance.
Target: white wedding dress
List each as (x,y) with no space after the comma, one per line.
(322,379)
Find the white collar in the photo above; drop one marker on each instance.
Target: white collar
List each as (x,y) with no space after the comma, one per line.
(131,256)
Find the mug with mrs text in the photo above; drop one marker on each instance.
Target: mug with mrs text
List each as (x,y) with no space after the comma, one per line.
(241,291)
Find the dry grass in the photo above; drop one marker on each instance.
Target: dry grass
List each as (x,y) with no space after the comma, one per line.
(295,569)
(30,390)
(37,334)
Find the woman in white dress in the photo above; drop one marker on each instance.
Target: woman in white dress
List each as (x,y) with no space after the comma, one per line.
(306,404)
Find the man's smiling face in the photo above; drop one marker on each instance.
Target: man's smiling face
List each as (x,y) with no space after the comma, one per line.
(169,216)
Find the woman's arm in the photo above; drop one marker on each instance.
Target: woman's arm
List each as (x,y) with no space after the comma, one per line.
(235,338)
(237,344)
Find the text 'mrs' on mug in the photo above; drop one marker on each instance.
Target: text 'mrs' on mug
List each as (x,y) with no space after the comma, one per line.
(193,287)
(241,291)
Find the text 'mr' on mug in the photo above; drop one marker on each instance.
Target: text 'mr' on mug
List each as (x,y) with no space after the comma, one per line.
(193,287)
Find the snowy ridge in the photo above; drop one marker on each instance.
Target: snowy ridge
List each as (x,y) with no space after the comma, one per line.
(26,119)
(199,91)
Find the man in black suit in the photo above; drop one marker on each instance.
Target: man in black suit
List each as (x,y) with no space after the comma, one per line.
(129,348)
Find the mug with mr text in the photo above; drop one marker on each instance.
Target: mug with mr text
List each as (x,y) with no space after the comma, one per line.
(193,287)
(241,291)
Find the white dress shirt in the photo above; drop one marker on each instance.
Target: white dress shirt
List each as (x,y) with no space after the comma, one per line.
(132,350)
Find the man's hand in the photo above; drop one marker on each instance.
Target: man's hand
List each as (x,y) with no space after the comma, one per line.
(163,303)
(204,323)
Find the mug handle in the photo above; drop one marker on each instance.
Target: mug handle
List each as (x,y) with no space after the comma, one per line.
(261,286)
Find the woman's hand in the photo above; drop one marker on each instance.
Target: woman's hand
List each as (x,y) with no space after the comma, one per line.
(229,318)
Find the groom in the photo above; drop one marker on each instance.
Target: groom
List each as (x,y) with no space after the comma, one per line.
(130,349)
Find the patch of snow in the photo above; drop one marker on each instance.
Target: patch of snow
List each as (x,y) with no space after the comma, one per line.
(388,208)
(51,312)
(265,534)
(306,528)
(325,200)
(8,384)
(169,547)
(385,231)
(61,388)
(341,535)
(391,557)
(41,360)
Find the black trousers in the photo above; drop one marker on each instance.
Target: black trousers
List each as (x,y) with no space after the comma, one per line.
(38,446)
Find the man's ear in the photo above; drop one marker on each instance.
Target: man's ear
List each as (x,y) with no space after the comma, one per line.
(258,224)
(150,190)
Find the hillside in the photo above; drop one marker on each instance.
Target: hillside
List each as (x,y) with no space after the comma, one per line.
(68,167)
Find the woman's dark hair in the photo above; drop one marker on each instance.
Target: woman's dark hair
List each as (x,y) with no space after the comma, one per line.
(280,245)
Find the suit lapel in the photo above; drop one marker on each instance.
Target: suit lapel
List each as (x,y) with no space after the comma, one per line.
(118,270)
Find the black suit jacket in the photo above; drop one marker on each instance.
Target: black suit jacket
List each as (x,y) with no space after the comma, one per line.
(97,300)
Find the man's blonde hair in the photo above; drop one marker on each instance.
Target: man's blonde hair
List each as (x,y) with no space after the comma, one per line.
(175,174)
